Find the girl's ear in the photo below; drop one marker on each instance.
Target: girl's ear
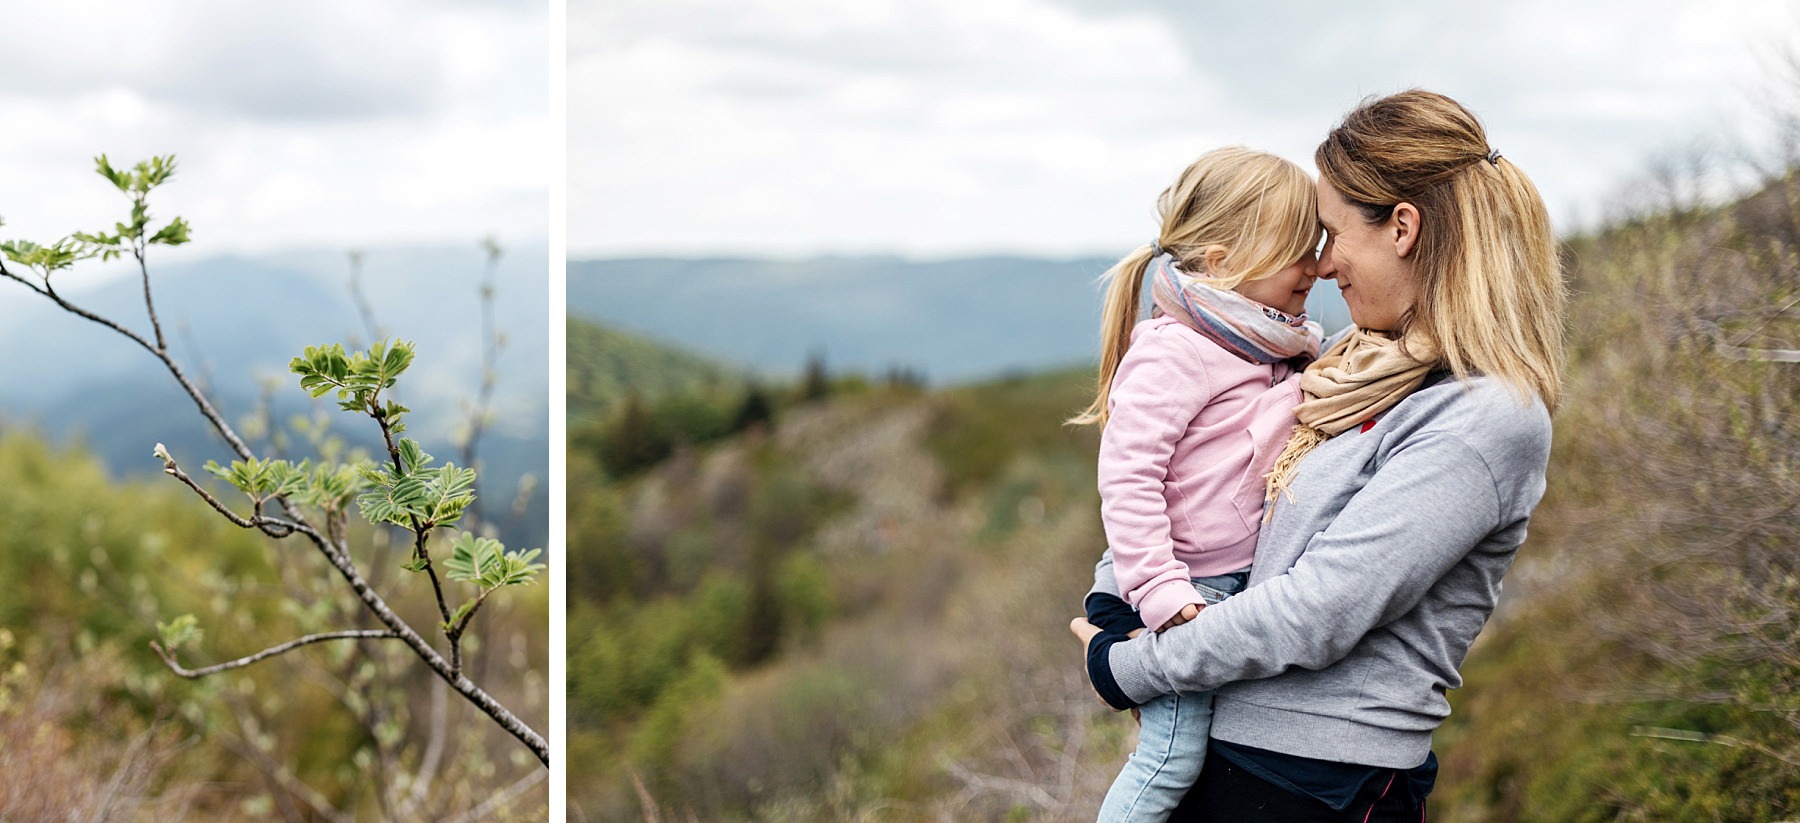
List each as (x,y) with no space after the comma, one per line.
(1215,259)
(1403,226)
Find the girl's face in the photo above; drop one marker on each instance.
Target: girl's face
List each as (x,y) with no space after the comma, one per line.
(1371,262)
(1285,291)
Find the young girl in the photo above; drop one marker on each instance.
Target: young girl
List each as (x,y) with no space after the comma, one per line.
(1195,403)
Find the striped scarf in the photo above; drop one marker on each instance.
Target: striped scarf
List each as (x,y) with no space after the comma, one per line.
(1244,327)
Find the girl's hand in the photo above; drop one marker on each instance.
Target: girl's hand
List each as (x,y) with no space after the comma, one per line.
(1188,612)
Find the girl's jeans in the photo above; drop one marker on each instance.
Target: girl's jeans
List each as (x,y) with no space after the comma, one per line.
(1172,735)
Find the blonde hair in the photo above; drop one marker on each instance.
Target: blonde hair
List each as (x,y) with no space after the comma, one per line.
(1250,213)
(1491,293)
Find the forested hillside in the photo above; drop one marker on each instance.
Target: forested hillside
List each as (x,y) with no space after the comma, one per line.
(607,367)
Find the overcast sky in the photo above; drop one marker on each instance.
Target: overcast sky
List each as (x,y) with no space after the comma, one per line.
(329,123)
(936,128)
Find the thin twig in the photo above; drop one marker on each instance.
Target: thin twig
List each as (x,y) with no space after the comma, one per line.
(648,803)
(434,748)
(1719,739)
(168,655)
(1736,352)
(362,303)
(285,782)
(490,354)
(493,804)
(206,408)
(501,716)
(271,526)
(162,346)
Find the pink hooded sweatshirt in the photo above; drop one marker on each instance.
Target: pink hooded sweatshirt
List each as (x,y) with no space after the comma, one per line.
(1191,430)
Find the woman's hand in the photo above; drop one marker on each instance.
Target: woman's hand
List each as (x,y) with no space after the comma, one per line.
(1084,630)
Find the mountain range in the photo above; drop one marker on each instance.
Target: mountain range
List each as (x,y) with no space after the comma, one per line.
(956,321)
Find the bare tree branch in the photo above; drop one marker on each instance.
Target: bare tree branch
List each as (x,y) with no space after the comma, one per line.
(490,353)
(168,655)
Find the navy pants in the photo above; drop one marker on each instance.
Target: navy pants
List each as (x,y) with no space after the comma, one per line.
(1226,793)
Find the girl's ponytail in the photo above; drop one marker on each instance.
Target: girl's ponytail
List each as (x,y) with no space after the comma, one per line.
(1118,318)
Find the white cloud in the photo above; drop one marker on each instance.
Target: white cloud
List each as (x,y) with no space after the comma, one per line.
(853,125)
(331,123)
(939,127)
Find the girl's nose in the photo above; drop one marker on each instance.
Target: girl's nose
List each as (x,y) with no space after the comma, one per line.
(1326,268)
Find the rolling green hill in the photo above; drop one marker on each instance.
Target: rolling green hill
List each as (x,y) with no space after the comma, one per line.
(607,366)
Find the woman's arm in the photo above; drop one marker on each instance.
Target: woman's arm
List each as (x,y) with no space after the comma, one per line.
(1430,503)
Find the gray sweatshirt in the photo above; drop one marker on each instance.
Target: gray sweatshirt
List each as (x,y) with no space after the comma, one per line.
(1368,586)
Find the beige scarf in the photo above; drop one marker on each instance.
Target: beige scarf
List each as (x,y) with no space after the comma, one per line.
(1364,375)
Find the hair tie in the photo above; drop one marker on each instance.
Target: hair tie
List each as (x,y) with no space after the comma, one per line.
(1493,156)
(1156,249)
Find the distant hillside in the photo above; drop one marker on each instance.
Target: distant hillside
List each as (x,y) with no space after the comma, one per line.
(954,320)
(605,366)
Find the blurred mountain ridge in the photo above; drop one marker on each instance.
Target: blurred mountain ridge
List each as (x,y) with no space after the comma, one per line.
(234,322)
(957,321)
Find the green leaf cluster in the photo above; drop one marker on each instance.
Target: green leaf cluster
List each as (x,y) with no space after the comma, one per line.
(415,494)
(140,179)
(357,378)
(486,562)
(326,486)
(182,631)
(262,479)
(45,259)
(132,235)
(408,491)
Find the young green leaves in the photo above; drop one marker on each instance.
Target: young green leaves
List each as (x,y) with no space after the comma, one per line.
(358,379)
(262,479)
(44,259)
(181,631)
(406,490)
(415,493)
(486,563)
(132,236)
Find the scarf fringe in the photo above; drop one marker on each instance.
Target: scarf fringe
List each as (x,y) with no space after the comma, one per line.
(1301,443)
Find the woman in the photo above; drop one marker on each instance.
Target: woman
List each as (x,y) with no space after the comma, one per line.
(1400,500)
